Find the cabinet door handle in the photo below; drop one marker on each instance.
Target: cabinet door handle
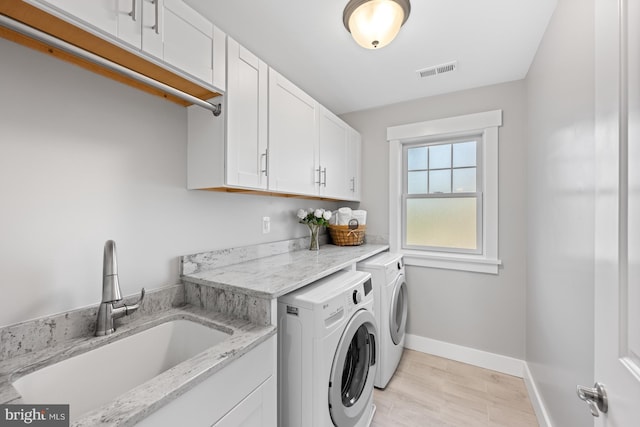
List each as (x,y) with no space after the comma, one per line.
(319,181)
(156,27)
(324,172)
(265,155)
(353,184)
(132,14)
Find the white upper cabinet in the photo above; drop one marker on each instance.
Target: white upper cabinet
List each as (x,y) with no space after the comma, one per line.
(152,24)
(247,90)
(354,164)
(118,18)
(272,137)
(230,151)
(184,39)
(293,138)
(334,156)
(168,30)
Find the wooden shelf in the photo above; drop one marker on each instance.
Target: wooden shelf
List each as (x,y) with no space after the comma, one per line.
(56,27)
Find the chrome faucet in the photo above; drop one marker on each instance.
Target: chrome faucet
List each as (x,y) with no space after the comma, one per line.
(111,294)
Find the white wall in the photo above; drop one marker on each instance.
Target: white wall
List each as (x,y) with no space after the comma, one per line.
(84,159)
(560,162)
(481,311)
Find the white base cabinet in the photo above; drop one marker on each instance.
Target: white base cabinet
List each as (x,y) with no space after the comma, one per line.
(242,394)
(256,410)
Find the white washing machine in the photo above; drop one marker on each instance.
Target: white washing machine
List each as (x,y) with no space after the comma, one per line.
(327,340)
(390,294)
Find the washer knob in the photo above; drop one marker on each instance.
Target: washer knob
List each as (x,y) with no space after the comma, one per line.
(357,297)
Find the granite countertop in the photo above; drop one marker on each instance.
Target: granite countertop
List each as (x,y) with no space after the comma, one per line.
(136,404)
(272,276)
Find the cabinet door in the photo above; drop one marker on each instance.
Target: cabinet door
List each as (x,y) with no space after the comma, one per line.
(334,156)
(247,80)
(293,138)
(177,34)
(354,164)
(152,27)
(118,18)
(256,410)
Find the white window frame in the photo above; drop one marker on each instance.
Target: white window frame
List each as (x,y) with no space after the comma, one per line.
(485,124)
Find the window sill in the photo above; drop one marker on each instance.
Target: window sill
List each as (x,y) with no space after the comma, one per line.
(473,263)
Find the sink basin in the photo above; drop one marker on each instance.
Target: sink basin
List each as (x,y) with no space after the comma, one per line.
(92,379)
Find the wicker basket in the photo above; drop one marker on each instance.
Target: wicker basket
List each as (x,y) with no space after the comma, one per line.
(342,235)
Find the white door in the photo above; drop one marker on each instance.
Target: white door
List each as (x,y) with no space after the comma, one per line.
(187,39)
(354,164)
(118,18)
(247,86)
(617,245)
(152,27)
(334,156)
(293,138)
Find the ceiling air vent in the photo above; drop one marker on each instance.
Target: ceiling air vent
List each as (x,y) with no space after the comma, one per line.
(438,69)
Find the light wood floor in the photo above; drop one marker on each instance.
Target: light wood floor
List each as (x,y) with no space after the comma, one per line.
(429,391)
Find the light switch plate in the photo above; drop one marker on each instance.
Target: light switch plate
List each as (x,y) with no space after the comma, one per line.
(266,225)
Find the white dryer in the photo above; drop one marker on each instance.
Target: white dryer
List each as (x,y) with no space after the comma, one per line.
(327,340)
(390,294)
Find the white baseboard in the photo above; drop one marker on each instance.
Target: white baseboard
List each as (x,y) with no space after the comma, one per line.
(536,399)
(495,362)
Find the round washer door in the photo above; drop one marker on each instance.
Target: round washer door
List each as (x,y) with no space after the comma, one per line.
(353,370)
(398,310)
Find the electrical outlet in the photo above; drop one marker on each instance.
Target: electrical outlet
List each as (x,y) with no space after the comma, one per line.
(266,225)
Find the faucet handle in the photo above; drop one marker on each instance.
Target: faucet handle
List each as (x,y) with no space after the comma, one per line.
(131,308)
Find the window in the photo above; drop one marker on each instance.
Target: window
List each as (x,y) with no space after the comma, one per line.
(443,177)
(442,196)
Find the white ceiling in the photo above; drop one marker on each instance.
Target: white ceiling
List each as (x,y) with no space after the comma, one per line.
(493,41)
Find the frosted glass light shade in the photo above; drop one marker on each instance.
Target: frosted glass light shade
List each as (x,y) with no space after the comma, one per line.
(375,23)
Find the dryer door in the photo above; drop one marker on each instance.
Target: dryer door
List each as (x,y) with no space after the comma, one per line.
(353,370)
(398,310)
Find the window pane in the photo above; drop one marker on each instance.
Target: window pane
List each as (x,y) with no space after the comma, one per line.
(417,158)
(440,181)
(442,222)
(417,182)
(440,156)
(464,180)
(464,154)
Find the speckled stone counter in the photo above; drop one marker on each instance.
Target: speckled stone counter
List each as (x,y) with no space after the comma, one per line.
(276,275)
(246,282)
(133,406)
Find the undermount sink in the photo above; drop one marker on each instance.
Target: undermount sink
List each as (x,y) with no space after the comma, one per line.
(92,379)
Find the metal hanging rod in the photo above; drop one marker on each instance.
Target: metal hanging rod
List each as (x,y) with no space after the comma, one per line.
(35,34)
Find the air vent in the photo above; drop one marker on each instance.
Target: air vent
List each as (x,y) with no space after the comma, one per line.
(438,69)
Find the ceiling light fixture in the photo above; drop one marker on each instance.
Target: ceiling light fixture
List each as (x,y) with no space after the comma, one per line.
(375,23)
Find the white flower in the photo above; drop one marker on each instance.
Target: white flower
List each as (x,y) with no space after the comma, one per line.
(301,213)
(311,210)
(318,213)
(327,215)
